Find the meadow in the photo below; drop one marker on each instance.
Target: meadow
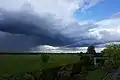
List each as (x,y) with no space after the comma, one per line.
(15,64)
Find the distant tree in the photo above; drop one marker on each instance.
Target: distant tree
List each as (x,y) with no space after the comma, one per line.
(81,52)
(44,58)
(91,50)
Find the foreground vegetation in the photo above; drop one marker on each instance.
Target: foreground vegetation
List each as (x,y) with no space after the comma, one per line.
(112,51)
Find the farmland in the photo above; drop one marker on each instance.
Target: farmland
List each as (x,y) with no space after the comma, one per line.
(13,64)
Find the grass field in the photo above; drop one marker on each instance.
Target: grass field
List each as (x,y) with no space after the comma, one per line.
(96,74)
(13,64)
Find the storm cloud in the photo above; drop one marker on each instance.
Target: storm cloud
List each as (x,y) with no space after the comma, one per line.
(37,23)
(22,31)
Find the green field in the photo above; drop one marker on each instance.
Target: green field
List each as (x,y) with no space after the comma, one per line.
(13,64)
(96,74)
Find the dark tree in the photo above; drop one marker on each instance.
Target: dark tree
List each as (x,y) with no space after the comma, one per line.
(91,50)
(81,52)
(44,58)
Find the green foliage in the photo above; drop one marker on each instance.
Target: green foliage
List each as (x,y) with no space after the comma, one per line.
(113,46)
(113,50)
(44,58)
(85,61)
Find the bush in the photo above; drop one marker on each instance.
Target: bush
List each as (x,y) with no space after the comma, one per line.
(44,58)
(85,61)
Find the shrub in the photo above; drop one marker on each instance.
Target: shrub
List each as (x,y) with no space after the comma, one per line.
(44,58)
(85,61)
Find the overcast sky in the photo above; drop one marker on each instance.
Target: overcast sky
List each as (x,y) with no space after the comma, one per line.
(59,25)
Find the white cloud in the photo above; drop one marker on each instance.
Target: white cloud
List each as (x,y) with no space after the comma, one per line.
(117,15)
(109,23)
(12,4)
(49,49)
(58,12)
(105,30)
(58,8)
(46,47)
(52,49)
(108,30)
(107,43)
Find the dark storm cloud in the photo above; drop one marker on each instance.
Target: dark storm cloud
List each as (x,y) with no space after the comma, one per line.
(22,31)
(16,43)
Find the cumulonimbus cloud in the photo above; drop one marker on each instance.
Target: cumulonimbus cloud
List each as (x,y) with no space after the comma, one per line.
(20,25)
(46,22)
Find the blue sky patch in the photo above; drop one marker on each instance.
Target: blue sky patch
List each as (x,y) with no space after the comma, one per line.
(102,10)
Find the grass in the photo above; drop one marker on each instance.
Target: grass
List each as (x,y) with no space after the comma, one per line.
(96,74)
(13,64)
